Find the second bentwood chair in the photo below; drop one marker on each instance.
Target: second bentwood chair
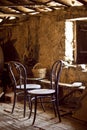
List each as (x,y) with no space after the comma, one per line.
(18,75)
(52,93)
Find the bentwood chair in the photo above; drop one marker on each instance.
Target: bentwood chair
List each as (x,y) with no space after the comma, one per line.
(18,75)
(52,94)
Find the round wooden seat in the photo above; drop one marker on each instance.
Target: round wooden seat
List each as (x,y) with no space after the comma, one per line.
(42,92)
(29,86)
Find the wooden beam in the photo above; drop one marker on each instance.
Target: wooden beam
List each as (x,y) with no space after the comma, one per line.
(67,13)
(10,15)
(83,2)
(66,2)
(14,3)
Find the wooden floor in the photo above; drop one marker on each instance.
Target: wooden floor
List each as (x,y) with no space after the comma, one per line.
(44,121)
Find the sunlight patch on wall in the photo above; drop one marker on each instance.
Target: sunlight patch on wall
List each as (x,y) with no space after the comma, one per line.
(69,41)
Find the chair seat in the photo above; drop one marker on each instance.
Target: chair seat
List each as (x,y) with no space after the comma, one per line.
(29,86)
(42,92)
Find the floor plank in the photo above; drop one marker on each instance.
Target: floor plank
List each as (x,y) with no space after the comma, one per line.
(44,121)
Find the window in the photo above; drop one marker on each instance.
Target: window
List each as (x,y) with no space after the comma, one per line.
(81,40)
(76,42)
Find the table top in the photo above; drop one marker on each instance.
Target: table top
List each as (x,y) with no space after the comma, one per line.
(71,85)
(33,78)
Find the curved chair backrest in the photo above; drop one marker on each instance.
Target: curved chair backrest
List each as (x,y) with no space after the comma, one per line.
(55,75)
(17,73)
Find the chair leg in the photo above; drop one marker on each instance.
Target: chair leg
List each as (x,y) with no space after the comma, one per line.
(57,108)
(24,104)
(29,102)
(14,103)
(35,109)
(53,103)
(30,110)
(42,105)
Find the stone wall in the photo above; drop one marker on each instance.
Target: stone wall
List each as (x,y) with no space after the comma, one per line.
(72,74)
(41,39)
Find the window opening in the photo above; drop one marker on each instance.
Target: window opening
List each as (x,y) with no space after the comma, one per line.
(69,42)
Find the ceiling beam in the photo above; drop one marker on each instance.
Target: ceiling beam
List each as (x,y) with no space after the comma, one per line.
(66,2)
(10,15)
(83,1)
(67,13)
